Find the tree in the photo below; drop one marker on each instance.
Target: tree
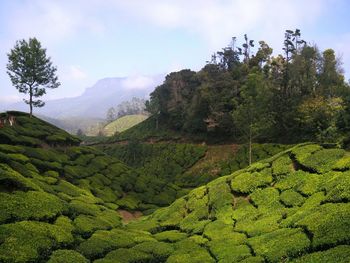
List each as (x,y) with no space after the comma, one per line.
(111,114)
(252,113)
(31,71)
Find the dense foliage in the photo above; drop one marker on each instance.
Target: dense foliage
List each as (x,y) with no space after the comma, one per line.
(298,96)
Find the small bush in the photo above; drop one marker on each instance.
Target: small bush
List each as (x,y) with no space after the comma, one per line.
(170,236)
(248,182)
(291,198)
(64,256)
(280,245)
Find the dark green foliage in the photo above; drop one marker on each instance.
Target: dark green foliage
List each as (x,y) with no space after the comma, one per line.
(64,256)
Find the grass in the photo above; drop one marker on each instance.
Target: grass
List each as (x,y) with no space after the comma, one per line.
(123,123)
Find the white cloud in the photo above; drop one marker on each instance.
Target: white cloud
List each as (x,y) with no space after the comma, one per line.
(76,73)
(138,82)
(52,21)
(218,21)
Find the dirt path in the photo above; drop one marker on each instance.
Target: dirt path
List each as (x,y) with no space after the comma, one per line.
(129,216)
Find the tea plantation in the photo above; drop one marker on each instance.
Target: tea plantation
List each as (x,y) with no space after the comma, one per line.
(59,203)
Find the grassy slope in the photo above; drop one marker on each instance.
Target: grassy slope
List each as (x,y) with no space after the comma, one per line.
(58,204)
(123,123)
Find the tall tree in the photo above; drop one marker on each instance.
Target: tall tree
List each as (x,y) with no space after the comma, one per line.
(252,112)
(31,71)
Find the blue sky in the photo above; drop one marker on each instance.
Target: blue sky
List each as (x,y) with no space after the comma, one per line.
(93,39)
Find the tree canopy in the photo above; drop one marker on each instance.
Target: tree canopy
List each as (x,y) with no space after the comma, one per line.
(31,71)
(295,96)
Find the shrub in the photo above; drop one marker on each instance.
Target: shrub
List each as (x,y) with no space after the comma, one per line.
(29,205)
(339,254)
(322,161)
(11,180)
(64,256)
(124,255)
(248,182)
(218,230)
(80,207)
(187,251)
(261,226)
(101,242)
(282,166)
(280,245)
(338,187)
(159,250)
(329,224)
(266,199)
(29,241)
(342,164)
(228,251)
(170,236)
(291,198)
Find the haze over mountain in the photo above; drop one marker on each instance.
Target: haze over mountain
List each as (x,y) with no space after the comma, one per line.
(96,100)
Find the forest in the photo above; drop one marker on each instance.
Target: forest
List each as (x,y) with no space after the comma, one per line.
(242,95)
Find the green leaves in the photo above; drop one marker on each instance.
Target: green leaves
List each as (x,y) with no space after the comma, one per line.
(31,71)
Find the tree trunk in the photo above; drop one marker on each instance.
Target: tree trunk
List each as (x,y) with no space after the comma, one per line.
(31,101)
(250,145)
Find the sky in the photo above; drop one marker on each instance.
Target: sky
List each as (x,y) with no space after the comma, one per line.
(93,39)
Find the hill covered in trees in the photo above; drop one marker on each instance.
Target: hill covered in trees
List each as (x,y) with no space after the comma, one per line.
(241,95)
(60,202)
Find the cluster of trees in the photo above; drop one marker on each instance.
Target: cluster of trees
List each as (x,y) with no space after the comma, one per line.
(134,106)
(298,95)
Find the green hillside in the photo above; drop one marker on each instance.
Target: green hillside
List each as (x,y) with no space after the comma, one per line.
(123,123)
(60,203)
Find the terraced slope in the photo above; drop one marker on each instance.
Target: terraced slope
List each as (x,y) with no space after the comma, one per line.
(60,204)
(33,132)
(123,123)
(292,207)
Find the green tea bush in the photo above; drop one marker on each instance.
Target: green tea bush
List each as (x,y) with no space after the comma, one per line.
(170,236)
(328,223)
(10,180)
(29,205)
(291,198)
(218,230)
(29,241)
(280,245)
(228,251)
(187,251)
(339,254)
(124,255)
(248,182)
(159,251)
(64,256)
(102,242)
(263,225)
(322,161)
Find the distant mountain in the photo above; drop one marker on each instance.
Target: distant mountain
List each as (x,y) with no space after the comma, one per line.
(96,100)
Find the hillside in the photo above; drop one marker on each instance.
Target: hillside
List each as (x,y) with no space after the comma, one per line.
(62,203)
(95,100)
(123,123)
